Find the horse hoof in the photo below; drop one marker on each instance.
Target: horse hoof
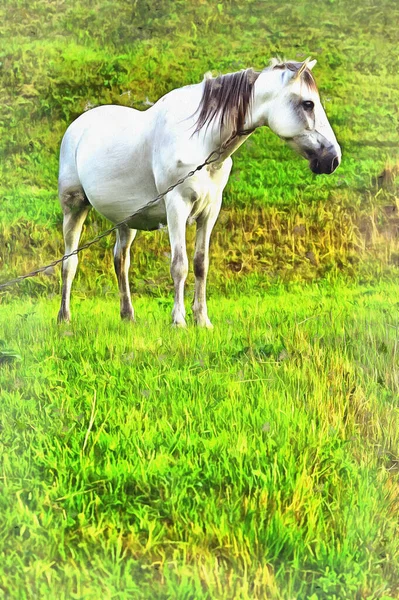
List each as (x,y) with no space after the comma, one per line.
(179,324)
(203,322)
(128,317)
(63,317)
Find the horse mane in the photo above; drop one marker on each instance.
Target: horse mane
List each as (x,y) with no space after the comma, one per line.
(227,97)
(291,65)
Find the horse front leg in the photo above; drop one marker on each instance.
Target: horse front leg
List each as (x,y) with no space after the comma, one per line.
(178,211)
(205,224)
(124,239)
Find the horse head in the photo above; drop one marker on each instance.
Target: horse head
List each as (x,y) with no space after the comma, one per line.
(296,114)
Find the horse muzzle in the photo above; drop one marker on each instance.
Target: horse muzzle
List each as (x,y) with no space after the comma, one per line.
(325,163)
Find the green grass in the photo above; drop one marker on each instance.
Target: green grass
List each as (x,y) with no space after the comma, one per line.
(80,57)
(259,460)
(85,54)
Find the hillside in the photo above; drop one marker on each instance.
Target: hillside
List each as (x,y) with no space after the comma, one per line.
(61,58)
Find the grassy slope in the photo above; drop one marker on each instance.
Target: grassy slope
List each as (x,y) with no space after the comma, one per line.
(259,460)
(60,58)
(256,461)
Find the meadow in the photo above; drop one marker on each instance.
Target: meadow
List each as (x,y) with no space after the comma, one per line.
(258,460)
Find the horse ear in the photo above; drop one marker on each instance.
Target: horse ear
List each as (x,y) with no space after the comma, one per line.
(307,64)
(289,75)
(303,66)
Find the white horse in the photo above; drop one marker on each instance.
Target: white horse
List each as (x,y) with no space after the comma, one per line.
(118,159)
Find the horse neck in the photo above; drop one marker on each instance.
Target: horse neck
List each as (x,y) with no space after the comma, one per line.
(257,116)
(227,141)
(264,88)
(257,113)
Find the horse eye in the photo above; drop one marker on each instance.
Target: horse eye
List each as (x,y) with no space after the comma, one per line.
(308,105)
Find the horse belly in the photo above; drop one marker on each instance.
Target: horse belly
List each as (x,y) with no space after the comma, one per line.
(118,186)
(150,217)
(118,207)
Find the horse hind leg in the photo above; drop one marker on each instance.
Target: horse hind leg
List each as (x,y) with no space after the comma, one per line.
(75,207)
(124,239)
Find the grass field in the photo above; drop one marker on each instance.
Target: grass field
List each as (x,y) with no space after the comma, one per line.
(82,55)
(259,460)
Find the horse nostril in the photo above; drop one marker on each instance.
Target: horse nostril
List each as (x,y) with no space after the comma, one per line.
(335,163)
(315,166)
